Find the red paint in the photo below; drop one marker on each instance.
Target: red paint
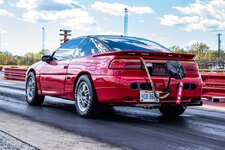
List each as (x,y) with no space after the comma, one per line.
(214,84)
(113,85)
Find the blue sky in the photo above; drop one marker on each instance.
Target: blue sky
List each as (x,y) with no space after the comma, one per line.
(174,22)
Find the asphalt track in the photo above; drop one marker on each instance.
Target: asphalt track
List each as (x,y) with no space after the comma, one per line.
(126,127)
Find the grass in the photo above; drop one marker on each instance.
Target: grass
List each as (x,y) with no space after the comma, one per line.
(15,66)
(211,70)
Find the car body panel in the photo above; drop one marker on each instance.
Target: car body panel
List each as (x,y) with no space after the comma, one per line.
(113,86)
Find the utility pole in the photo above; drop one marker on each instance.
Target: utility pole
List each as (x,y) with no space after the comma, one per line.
(125,22)
(219,45)
(43,38)
(65,34)
(0,41)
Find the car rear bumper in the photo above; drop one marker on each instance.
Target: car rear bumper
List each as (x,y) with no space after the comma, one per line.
(117,89)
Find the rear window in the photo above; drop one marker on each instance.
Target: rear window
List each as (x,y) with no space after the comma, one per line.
(120,43)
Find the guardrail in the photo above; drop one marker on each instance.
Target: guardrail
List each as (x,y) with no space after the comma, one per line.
(214,82)
(214,85)
(15,73)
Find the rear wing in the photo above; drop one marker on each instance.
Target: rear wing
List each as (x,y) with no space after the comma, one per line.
(151,54)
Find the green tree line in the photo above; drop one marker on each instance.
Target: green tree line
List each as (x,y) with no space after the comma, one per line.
(7,58)
(201,50)
(203,53)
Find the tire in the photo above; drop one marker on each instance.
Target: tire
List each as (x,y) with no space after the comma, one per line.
(86,101)
(32,96)
(172,110)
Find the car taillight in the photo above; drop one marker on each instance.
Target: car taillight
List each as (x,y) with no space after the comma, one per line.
(192,69)
(125,64)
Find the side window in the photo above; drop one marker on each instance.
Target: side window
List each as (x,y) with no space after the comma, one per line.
(67,50)
(93,47)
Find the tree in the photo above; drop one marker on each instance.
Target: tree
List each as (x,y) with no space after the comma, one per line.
(199,49)
(177,49)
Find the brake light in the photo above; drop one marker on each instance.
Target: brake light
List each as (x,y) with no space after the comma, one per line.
(125,64)
(192,69)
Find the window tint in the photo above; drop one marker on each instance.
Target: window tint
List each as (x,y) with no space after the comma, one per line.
(118,43)
(72,44)
(67,50)
(93,47)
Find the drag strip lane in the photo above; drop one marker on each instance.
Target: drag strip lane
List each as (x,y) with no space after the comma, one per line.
(134,128)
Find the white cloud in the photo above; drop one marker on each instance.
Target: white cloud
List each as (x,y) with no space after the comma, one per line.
(117,9)
(3,31)
(68,12)
(27,4)
(141,21)
(4,12)
(201,15)
(191,42)
(1,1)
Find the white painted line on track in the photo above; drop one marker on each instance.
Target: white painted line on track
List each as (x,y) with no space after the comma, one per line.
(9,83)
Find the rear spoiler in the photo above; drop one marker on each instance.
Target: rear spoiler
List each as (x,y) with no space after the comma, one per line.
(143,53)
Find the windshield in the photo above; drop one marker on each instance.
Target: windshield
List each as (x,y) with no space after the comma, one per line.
(119,43)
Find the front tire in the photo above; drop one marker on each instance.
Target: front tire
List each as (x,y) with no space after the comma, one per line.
(32,96)
(172,110)
(85,98)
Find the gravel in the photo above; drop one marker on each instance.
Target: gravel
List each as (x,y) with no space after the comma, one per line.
(8,142)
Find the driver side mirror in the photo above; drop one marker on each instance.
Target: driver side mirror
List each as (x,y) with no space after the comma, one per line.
(46,58)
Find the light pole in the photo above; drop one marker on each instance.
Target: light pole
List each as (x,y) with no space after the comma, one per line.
(0,41)
(125,21)
(219,45)
(43,38)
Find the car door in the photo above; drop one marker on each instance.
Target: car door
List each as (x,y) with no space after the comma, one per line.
(82,62)
(53,74)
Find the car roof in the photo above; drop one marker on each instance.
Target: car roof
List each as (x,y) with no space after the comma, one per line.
(115,36)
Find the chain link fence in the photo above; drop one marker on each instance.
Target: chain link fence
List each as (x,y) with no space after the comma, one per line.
(209,65)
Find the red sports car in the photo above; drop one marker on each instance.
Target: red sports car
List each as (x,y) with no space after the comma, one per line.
(98,71)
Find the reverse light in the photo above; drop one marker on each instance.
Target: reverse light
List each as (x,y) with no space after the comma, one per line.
(125,64)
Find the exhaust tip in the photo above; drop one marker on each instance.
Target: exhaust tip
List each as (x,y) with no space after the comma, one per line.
(143,86)
(134,86)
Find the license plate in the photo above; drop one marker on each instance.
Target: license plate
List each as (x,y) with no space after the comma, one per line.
(148,96)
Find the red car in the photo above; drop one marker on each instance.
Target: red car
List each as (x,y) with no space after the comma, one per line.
(107,70)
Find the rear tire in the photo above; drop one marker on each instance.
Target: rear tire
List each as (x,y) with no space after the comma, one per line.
(32,96)
(86,101)
(172,110)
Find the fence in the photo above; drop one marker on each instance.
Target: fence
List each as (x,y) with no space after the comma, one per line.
(206,64)
(214,85)
(15,73)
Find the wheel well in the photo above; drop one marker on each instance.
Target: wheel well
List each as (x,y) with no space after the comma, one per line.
(31,70)
(79,75)
(77,78)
